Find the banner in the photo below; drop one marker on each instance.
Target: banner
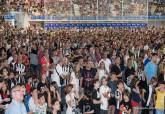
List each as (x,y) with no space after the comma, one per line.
(93,25)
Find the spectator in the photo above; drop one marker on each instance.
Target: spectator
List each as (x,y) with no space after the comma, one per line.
(160,94)
(118,95)
(135,95)
(96,97)
(85,103)
(116,68)
(70,99)
(56,106)
(88,74)
(151,68)
(113,87)
(125,105)
(129,72)
(101,72)
(41,106)
(105,95)
(33,100)
(16,106)
(147,95)
(54,92)
(72,48)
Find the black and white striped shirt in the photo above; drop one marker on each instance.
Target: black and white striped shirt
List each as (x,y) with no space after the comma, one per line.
(67,69)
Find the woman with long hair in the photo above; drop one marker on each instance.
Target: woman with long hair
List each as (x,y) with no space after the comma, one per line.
(75,77)
(5,94)
(54,92)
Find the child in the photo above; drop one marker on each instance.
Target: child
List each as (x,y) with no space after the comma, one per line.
(118,95)
(125,104)
(41,107)
(105,95)
(160,93)
(112,86)
(70,98)
(55,106)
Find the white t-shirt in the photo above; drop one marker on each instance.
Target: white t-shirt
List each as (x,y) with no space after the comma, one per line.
(74,81)
(32,105)
(107,63)
(41,109)
(71,98)
(0,98)
(56,76)
(101,73)
(9,59)
(37,109)
(103,89)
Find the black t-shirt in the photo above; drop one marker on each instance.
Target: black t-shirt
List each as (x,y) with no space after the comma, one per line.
(96,96)
(128,72)
(127,105)
(34,51)
(41,86)
(147,91)
(88,76)
(85,105)
(115,69)
(161,77)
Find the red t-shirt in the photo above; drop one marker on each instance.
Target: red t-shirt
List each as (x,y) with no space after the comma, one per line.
(25,60)
(28,88)
(44,62)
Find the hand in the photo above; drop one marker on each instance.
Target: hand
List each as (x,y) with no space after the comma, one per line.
(106,94)
(122,108)
(6,99)
(67,77)
(2,106)
(46,89)
(144,100)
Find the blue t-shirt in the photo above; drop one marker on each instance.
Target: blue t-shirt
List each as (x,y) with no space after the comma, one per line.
(146,61)
(151,70)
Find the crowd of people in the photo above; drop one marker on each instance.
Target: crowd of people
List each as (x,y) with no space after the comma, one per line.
(68,8)
(88,71)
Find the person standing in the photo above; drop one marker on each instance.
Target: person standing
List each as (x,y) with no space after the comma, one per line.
(70,98)
(160,93)
(116,68)
(87,76)
(105,95)
(151,68)
(96,97)
(16,106)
